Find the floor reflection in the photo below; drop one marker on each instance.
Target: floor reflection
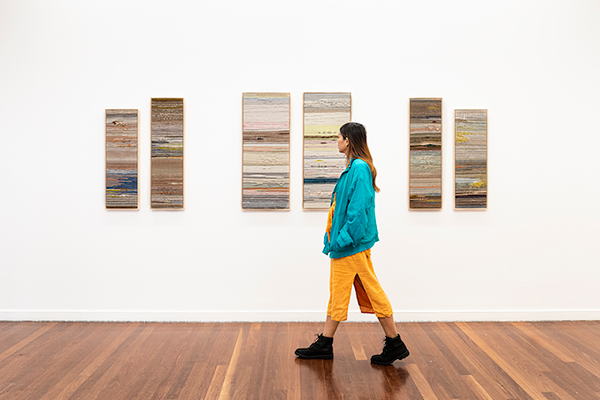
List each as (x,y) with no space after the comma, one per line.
(345,377)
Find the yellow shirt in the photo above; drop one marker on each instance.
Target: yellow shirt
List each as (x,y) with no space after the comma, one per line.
(330,218)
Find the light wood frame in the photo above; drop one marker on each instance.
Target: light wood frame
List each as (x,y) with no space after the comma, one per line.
(137,155)
(182,155)
(303,140)
(486,161)
(441,153)
(289,153)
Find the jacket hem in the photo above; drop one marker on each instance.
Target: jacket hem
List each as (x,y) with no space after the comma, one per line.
(353,250)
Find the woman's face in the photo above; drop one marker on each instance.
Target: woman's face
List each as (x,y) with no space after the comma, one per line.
(342,144)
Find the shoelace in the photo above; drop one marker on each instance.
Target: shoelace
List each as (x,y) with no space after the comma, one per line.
(386,348)
(316,340)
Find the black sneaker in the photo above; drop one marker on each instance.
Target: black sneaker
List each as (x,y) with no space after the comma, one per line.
(394,349)
(321,348)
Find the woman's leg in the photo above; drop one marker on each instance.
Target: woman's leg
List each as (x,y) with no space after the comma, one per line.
(376,296)
(340,284)
(387,323)
(394,348)
(340,288)
(322,348)
(330,327)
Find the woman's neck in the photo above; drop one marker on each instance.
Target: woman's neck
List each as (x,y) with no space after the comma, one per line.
(348,158)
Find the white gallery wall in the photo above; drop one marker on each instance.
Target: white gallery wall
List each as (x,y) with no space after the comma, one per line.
(535,65)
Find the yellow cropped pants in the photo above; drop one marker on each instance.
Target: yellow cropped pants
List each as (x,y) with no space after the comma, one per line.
(356,269)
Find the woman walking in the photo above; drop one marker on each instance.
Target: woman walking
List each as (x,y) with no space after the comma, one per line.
(351,232)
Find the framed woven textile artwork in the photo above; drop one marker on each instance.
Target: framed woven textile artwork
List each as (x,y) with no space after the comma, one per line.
(166,171)
(470,159)
(425,165)
(324,114)
(266,151)
(121,159)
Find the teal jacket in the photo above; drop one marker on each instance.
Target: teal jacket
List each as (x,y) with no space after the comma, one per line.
(353,228)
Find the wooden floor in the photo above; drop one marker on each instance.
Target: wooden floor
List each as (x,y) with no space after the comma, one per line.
(540,360)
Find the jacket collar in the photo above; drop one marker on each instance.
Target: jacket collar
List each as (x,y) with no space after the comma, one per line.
(349,165)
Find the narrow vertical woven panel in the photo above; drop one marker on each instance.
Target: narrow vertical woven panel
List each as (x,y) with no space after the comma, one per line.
(470,159)
(167,153)
(425,168)
(266,151)
(324,114)
(121,159)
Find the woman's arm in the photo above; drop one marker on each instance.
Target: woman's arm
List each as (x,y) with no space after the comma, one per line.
(359,200)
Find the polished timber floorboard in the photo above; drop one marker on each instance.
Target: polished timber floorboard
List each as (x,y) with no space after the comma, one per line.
(475,360)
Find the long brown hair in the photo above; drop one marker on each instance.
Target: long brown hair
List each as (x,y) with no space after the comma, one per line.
(357,143)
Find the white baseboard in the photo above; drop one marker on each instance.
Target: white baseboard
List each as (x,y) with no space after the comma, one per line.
(294,316)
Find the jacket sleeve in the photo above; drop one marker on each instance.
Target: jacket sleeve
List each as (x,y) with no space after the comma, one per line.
(355,226)
(326,244)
